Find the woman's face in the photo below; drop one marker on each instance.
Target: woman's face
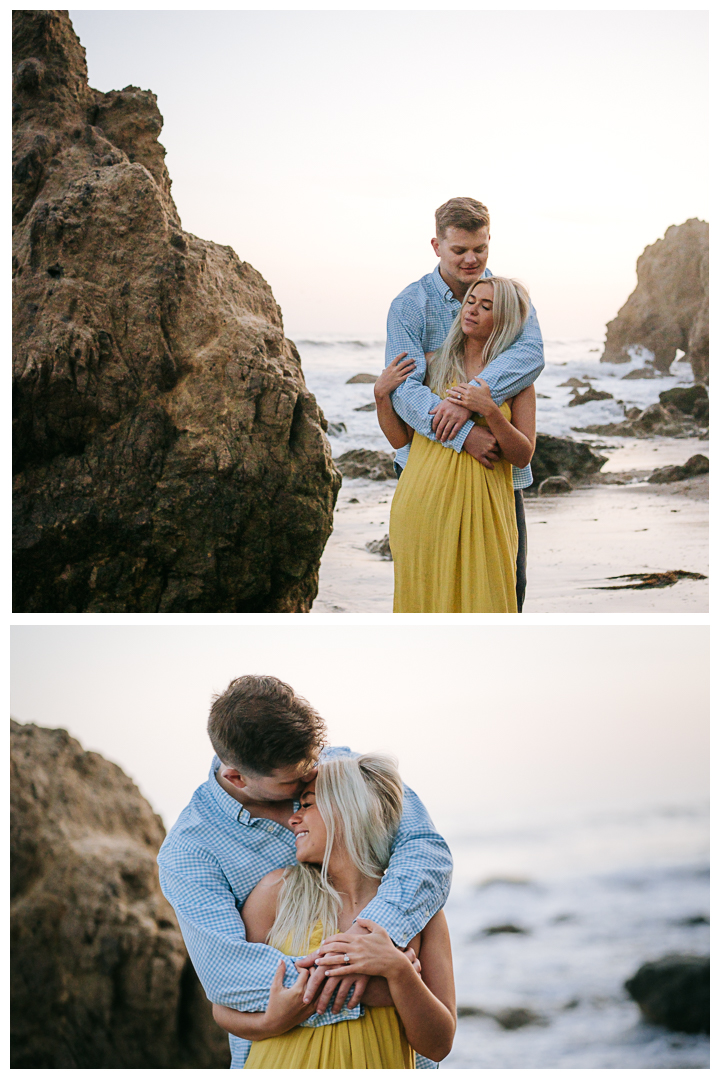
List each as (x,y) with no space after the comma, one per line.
(477,315)
(309,829)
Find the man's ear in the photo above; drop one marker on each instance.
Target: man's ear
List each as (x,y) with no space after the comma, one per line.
(233,777)
(436,246)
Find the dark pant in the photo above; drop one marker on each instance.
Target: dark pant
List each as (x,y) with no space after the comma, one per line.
(521,579)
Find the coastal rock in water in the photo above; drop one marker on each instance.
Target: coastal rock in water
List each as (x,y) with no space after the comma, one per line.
(363,377)
(690,400)
(509,1019)
(370,464)
(337,429)
(370,407)
(168,455)
(555,456)
(661,418)
(555,485)
(674,992)
(647,372)
(669,308)
(576,384)
(589,395)
(512,1019)
(697,465)
(100,978)
(503,928)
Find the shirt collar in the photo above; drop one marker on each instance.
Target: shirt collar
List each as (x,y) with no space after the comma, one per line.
(444,290)
(224,802)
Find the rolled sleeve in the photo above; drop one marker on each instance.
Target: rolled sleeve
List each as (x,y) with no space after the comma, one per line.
(517,367)
(412,399)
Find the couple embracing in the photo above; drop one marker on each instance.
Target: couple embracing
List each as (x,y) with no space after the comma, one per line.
(457,403)
(308,882)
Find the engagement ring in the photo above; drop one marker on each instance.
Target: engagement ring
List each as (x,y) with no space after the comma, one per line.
(346,959)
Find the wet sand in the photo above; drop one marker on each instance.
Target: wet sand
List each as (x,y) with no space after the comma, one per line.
(576,541)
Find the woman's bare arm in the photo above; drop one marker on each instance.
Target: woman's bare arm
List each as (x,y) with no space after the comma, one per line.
(515,437)
(286,1007)
(395,430)
(426,1003)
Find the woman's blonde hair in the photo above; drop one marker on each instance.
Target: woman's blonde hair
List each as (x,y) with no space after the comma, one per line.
(360,800)
(511,307)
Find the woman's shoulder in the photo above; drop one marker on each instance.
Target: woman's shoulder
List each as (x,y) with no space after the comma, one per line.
(258,911)
(273,880)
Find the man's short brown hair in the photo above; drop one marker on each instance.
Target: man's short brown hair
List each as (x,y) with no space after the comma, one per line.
(461,213)
(259,724)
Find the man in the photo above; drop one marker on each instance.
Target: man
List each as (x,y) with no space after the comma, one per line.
(418,323)
(267,742)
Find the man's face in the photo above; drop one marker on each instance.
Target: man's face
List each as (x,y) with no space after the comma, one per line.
(463,256)
(281,785)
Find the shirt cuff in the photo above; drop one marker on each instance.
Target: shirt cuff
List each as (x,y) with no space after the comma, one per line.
(459,440)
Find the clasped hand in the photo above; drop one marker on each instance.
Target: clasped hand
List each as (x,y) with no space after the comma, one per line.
(475,398)
(332,973)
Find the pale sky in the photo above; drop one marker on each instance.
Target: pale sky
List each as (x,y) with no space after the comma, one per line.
(484,720)
(319,143)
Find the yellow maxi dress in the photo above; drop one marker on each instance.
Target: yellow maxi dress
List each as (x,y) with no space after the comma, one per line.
(375,1041)
(453,532)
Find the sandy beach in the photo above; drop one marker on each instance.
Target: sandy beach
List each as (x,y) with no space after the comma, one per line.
(617,524)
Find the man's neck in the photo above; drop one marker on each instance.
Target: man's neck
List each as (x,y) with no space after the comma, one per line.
(455,287)
(275,811)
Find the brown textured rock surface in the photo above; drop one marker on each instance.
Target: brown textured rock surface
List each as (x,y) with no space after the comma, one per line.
(99,974)
(669,308)
(168,454)
(555,456)
(370,464)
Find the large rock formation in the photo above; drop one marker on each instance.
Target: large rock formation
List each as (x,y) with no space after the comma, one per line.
(556,456)
(99,974)
(168,454)
(669,308)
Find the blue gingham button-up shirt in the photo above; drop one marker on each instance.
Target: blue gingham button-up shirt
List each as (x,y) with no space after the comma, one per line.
(215,855)
(418,322)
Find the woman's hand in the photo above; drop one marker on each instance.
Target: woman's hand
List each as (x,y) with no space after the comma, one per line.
(475,398)
(286,1008)
(396,372)
(372,953)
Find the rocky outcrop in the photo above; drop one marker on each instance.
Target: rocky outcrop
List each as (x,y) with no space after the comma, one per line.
(555,485)
(168,454)
(100,978)
(590,395)
(697,465)
(368,464)
(690,400)
(363,377)
(663,417)
(669,308)
(555,456)
(380,547)
(674,992)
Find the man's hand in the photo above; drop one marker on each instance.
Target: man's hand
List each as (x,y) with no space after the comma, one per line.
(318,980)
(481,444)
(448,418)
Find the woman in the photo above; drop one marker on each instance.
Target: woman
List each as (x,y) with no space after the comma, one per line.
(453,530)
(344,830)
